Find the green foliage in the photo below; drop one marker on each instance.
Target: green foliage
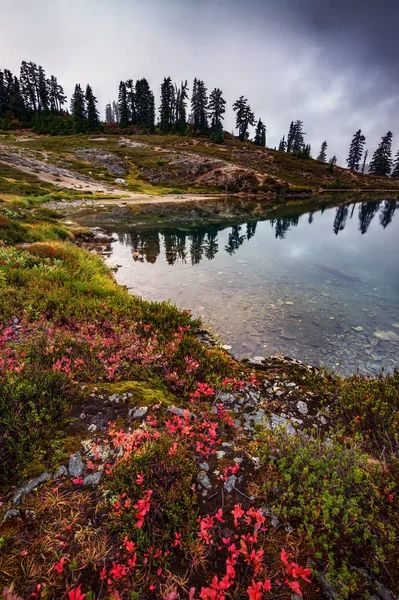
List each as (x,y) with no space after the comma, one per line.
(337,501)
(32,406)
(369,407)
(173,504)
(52,124)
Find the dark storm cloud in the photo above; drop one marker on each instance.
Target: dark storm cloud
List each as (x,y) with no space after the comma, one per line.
(330,63)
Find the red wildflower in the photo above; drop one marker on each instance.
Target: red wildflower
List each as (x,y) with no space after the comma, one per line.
(59,567)
(255,591)
(76,594)
(237,513)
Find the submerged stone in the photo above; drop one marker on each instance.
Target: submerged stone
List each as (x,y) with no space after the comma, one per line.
(387,336)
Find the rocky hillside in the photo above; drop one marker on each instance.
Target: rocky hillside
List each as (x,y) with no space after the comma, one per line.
(162,164)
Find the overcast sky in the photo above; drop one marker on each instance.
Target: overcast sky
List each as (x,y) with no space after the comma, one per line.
(332,63)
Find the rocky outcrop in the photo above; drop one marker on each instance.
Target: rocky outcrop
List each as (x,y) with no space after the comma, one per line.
(111,162)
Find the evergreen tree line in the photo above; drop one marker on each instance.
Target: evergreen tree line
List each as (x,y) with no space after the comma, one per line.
(202,114)
(37,101)
(381,163)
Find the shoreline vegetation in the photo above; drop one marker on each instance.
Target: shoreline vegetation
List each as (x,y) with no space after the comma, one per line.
(140,460)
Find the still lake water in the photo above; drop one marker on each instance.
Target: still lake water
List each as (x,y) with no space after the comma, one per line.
(320,286)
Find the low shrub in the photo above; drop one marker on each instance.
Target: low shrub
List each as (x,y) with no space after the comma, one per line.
(337,500)
(164,479)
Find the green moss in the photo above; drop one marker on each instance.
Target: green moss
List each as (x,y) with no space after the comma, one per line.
(143,393)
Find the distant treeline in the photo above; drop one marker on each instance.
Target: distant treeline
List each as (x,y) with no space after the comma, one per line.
(36,101)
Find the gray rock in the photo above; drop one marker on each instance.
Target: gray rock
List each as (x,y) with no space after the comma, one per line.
(28,486)
(204,466)
(258,360)
(180,412)
(204,480)
(225,397)
(230,483)
(62,472)
(75,465)
(93,478)
(138,413)
(302,407)
(120,181)
(276,421)
(92,428)
(358,328)
(290,384)
(13,513)
(220,454)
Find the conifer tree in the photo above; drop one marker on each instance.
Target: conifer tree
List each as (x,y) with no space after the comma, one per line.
(260,134)
(167,108)
(145,104)
(123,107)
(282,145)
(56,95)
(216,111)
(291,137)
(381,163)
(28,85)
(395,170)
(323,156)
(244,117)
(331,163)
(298,143)
(356,151)
(199,105)
(364,161)
(131,100)
(78,109)
(93,118)
(109,116)
(3,95)
(16,103)
(115,112)
(216,108)
(42,89)
(181,106)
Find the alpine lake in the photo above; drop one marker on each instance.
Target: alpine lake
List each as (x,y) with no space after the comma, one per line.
(319,283)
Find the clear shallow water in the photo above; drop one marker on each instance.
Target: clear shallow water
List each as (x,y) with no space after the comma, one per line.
(297,285)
